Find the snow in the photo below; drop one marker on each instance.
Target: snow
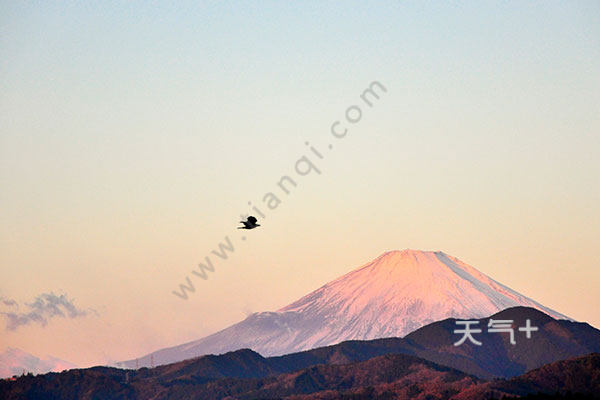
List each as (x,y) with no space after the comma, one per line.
(15,361)
(393,295)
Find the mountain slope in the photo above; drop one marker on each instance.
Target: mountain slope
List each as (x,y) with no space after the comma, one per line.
(392,376)
(579,376)
(393,295)
(496,357)
(15,362)
(424,364)
(401,372)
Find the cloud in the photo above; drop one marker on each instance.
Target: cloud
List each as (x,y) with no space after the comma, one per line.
(8,302)
(45,307)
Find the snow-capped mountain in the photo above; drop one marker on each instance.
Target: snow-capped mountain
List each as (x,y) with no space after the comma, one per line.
(393,295)
(16,362)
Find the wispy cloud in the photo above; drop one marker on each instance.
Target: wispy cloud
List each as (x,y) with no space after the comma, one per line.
(44,307)
(8,302)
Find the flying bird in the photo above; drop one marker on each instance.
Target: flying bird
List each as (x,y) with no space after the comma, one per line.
(250,223)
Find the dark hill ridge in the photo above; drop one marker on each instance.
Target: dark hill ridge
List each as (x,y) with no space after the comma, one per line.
(399,372)
(393,376)
(580,375)
(431,347)
(496,357)
(577,378)
(243,363)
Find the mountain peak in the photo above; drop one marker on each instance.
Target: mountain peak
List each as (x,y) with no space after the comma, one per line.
(407,253)
(396,257)
(522,313)
(391,296)
(14,361)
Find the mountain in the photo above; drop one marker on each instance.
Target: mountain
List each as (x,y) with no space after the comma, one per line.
(392,376)
(559,356)
(184,381)
(575,378)
(496,357)
(393,295)
(15,362)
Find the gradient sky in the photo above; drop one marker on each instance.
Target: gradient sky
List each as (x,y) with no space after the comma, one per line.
(133,135)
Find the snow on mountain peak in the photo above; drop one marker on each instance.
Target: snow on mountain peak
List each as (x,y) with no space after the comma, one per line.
(15,361)
(393,295)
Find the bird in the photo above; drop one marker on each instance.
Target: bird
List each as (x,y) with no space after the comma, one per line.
(250,223)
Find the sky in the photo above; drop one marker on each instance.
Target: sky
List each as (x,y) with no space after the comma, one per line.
(133,135)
